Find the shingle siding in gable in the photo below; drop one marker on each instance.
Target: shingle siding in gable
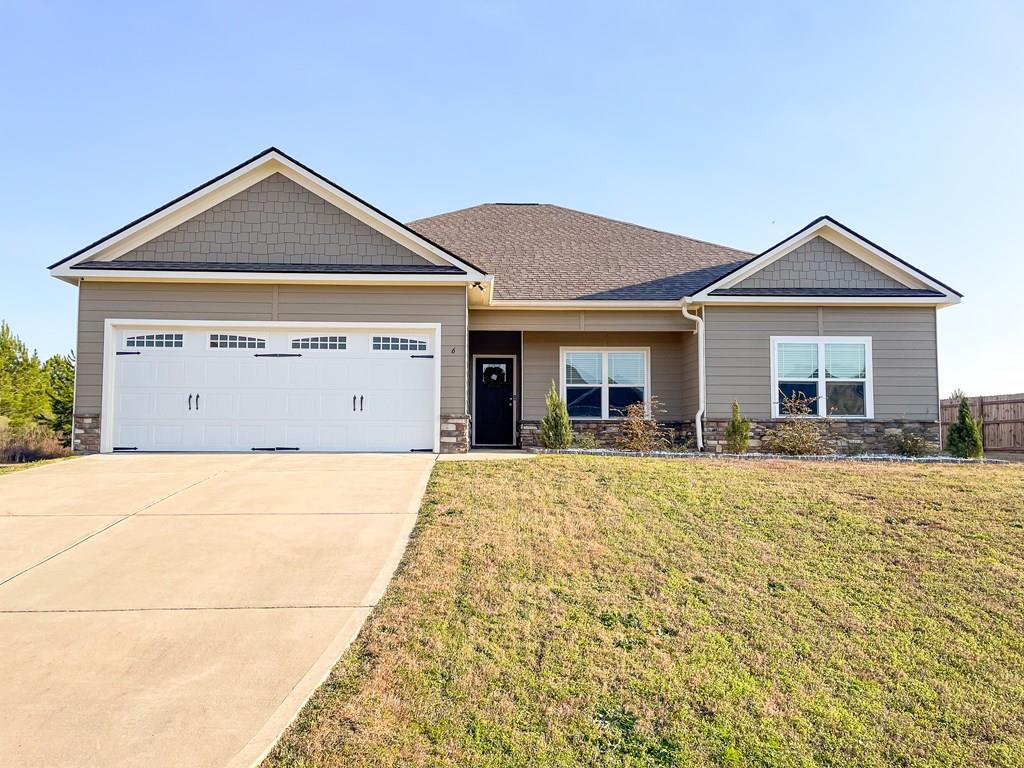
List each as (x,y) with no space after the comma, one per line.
(275,221)
(819,264)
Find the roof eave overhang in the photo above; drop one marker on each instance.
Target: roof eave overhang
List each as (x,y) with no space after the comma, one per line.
(578,304)
(144,276)
(817,301)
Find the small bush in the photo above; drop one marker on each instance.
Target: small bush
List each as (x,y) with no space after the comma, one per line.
(964,437)
(30,442)
(584,440)
(737,432)
(909,444)
(799,435)
(555,430)
(641,430)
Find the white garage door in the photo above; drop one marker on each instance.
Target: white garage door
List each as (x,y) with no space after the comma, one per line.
(306,389)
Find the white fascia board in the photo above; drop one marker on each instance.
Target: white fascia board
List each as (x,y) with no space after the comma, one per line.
(239,180)
(156,276)
(892,301)
(842,238)
(581,304)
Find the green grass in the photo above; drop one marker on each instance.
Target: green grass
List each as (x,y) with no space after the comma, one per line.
(581,611)
(8,468)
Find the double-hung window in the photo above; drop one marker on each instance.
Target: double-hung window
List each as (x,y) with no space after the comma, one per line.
(602,383)
(833,373)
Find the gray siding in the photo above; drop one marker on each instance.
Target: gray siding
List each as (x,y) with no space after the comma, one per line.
(819,264)
(99,301)
(275,221)
(904,355)
(671,382)
(571,320)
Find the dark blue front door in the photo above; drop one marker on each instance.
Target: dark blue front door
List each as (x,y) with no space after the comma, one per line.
(494,388)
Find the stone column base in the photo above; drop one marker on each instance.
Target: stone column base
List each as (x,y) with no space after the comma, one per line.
(85,433)
(455,434)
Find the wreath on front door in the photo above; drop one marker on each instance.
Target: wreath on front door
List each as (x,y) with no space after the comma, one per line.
(494,375)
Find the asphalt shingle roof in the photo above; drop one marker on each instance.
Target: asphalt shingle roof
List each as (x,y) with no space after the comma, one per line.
(546,252)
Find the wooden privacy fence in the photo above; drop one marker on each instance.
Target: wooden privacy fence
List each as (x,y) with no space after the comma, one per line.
(1002,419)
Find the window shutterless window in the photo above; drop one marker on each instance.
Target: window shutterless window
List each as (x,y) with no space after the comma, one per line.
(833,372)
(602,383)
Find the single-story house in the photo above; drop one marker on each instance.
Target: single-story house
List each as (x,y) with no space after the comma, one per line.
(270,309)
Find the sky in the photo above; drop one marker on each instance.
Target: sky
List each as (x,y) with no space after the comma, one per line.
(733,122)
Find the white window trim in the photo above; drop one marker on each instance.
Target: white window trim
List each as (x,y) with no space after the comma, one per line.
(563,351)
(822,404)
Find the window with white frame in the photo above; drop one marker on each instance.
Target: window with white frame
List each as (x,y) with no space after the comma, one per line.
(602,383)
(832,373)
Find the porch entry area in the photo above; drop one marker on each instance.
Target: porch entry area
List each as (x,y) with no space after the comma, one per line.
(494,386)
(598,372)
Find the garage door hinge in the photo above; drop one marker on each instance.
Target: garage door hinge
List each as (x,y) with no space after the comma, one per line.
(273,448)
(129,353)
(125,448)
(428,357)
(278,354)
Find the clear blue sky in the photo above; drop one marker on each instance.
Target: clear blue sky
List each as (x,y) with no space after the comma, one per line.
(736,123)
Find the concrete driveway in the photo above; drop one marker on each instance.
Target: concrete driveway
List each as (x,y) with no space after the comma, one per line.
(178,610)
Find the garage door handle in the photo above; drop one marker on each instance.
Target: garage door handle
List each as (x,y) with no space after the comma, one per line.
(360,402)
(353,402)
(197,402)
(190,402)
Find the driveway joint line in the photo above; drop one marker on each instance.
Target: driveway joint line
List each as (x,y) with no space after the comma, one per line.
(106,528)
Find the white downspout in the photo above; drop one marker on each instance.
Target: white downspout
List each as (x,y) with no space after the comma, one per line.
(699,330)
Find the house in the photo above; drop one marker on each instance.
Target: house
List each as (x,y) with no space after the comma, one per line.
(270,309)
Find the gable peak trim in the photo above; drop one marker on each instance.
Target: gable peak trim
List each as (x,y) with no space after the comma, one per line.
(883,260)
(269,161)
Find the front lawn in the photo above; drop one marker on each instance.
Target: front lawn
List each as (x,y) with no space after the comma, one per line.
(618,612)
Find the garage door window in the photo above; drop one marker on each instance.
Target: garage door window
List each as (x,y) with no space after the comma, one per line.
(234,341)
(398,344)
(320,342)
(154,340)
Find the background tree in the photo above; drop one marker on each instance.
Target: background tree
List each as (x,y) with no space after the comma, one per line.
(60,374)
(23,382)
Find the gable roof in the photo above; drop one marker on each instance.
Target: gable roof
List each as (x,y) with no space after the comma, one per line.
(919,284)
(268,161)
(547,252)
